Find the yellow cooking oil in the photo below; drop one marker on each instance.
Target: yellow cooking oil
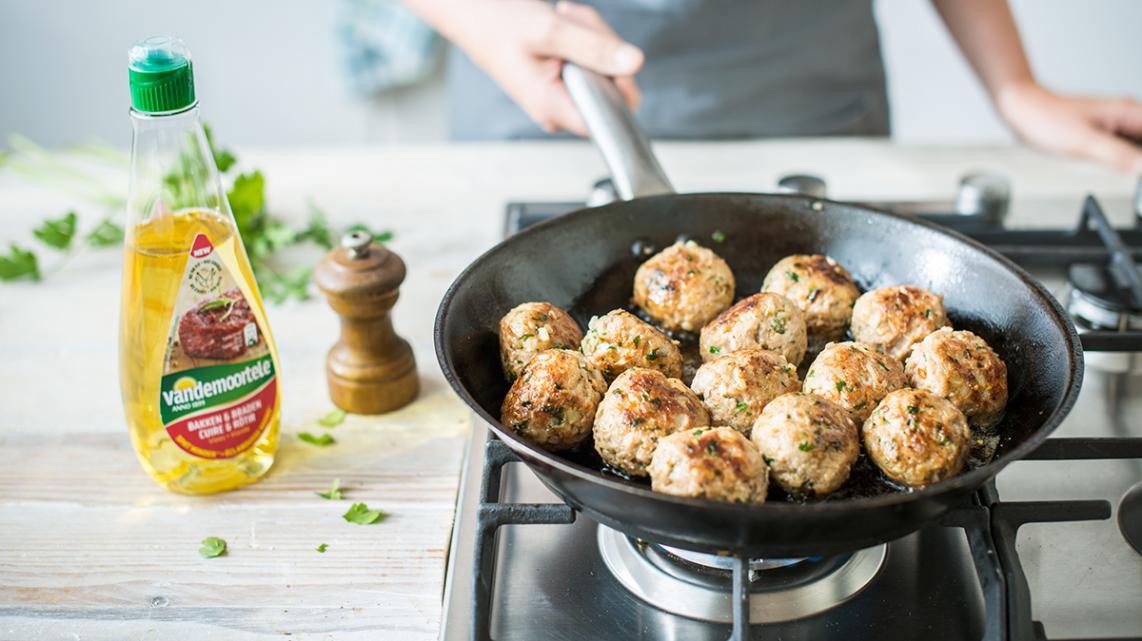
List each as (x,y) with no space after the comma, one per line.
(155,258)
(197,362)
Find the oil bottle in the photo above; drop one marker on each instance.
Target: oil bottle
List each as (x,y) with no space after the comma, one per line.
(198,365)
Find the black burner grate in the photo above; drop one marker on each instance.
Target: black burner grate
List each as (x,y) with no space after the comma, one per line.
(990,525)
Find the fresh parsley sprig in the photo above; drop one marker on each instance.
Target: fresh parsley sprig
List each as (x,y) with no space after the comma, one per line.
(264,235)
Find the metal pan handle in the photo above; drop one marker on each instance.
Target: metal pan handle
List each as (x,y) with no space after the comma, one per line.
(625,148)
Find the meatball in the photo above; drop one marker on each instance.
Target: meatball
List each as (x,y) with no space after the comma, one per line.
(620,340)
(854,376)
(809,443)
(737,386)
(642,406)
(553,402)
(684,286)
(821,287)
(765,320)
(712,463)
(917,438)
(896,318)
(962,368)
(530,328)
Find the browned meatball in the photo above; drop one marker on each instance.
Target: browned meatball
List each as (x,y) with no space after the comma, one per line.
(917,438)
(684,286)
(854,376)
(736,387)
(962,368)
(713,463)
(809,443)
(641,407)
(620,340)
(894,319)
(530,328)
(765,320)
(553,402)
(821,287)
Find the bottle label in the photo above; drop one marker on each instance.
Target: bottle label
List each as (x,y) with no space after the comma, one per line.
(219,386)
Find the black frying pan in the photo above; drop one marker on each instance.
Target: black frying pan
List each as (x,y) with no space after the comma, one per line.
(583,262)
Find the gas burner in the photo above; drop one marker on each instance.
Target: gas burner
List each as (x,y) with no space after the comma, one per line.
(695,585)
(1107,296)
(719,562)
(1098,303)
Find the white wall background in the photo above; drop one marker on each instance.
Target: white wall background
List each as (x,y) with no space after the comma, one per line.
(269,71)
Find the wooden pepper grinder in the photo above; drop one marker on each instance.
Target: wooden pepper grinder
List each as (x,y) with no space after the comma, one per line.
(371,370)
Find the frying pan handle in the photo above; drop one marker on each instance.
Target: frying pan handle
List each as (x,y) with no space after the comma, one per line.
(625,148)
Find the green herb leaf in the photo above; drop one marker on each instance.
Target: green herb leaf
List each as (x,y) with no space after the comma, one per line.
(841,386)
(217,303)
(222,157)
(652,354)
(105,234)
(741,406)
(317,230)
(360,514)
(212,546)
(247,199)
(333,418)
(718,236)
(714,349)
(57,232)
(320,441)
(19,263)
(912,409)
(792,276)
(278,288)
(334,493)
(805,446)
(322,548)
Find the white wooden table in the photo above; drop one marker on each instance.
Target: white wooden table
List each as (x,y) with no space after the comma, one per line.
(90,548)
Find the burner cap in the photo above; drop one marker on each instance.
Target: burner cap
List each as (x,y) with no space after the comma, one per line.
(1097,299)
(702,592)
(1098,286)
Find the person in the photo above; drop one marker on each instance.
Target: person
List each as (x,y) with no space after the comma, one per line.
(724,69)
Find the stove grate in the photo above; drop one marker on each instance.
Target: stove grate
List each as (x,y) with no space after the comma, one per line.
(990,525)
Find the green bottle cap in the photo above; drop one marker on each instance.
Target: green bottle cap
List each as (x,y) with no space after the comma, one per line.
(161,75)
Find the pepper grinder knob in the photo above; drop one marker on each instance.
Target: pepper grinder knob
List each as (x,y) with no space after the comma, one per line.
(370,370)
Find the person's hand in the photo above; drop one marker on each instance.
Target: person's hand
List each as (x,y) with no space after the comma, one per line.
(1107,130)
(522,45)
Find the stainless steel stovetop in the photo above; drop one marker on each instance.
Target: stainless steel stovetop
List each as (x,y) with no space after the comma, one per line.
(583,581)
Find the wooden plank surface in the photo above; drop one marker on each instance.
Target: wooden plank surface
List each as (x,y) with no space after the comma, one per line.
(90,548)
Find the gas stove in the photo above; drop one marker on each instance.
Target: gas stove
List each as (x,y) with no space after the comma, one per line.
(1047,560)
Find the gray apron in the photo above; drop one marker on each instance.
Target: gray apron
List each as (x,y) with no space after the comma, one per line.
(720,69)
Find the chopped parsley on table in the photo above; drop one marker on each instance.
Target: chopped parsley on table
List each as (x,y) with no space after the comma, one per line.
(212,546)
(332,418)
(319,441)
(334,493)
(360,514)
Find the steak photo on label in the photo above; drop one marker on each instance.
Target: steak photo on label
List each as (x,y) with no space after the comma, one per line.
(216,327)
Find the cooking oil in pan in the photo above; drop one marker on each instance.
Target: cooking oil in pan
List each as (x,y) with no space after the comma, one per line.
(198,366)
